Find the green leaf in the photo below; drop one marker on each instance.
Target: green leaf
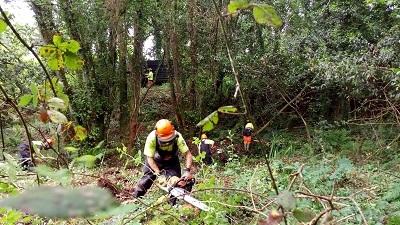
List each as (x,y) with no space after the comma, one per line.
(121,209)
(61,176)
(34,89)
(57,117)
(99,145)
(304,215)
(72,46)
(208,126)
(25,100)
(287,200)
(235,6)
(88,160)
(10,159)
(71,149)
(27,219)
(56,61)
(3,26)
(231,109)
(47,50)
(35,100)
(209,118)
(57,39)
(60,202)
(56,103)
(73,61)
(80,133)
(395,70)
(266,14)
(53,63)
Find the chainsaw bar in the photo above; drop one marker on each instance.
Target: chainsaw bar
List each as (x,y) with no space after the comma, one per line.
(182,194)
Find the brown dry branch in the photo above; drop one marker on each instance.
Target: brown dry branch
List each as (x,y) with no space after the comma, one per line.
(295,175)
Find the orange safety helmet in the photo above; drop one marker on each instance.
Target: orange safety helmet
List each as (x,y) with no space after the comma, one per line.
(50,141)
(165,130)
(203,136)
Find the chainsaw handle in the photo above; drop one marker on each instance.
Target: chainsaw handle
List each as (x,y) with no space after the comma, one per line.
(188,182)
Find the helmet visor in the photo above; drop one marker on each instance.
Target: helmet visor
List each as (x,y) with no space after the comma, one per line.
(166,138)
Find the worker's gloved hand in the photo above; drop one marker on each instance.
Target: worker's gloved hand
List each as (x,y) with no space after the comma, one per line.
(187,174)
(162,179)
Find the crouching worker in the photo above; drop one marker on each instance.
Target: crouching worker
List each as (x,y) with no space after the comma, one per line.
(25,152)
(162,149)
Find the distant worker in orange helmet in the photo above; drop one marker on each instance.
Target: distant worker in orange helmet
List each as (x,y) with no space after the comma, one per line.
(150,78)
(25,152)
(205,146)
(248,129)
(162,149)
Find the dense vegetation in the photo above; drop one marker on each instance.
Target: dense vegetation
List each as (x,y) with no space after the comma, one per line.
(319,80)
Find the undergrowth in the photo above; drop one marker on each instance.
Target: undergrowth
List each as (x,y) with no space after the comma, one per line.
(333,175)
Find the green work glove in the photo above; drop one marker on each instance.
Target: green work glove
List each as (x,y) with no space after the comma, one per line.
(162,179)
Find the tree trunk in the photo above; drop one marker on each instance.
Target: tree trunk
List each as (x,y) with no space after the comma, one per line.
(193,58)
(176,93)
(136,71)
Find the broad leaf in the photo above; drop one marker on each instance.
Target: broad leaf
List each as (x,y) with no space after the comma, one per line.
(304,215)
(47,50)
(231,109)
(57,117)
(73,61)
(287,200)
(71,149)
(100,144)
(208,126)
(56,103)
(88,160)
(53,62)
(3,26)
(80,133)
(213,117)
(72,46)
(237,5)
(35,100)
(34,89)
(10,159)
(25,100)
(57,39)
(266,14)
(61,176)
(60,202)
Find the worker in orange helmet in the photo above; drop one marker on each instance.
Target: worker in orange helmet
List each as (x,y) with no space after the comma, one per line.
(162,149)
(248,129)
(205,146)
(25,152)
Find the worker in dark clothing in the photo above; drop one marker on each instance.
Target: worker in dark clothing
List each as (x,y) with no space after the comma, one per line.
(205,146)
(162,149)
(25,152)
(248,129)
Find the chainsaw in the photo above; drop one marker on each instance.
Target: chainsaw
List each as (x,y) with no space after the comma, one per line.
(180,188)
